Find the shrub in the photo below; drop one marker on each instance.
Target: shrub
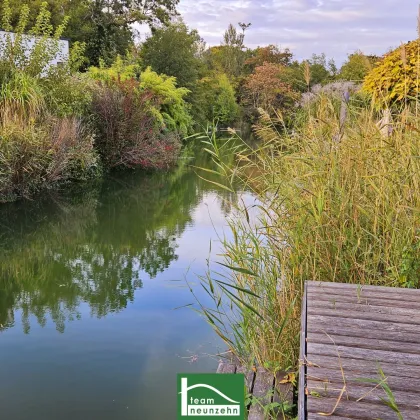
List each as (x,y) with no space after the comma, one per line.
(36,156)
(127,131)
(172,111)
(168,105)
(396,78)
(119,70)
(68,95)
(215,99)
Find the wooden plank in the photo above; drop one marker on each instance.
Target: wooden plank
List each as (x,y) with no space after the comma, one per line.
(365,315)
(351,330)
(363,342)
(363,307)
(365,325)
(396,383)
(363,366)
(302,359)
(362,295)
(369,327)
(368,393)
(349,286)
(366,301)
(314,416)
(360,410)
(263,390)
(364,354)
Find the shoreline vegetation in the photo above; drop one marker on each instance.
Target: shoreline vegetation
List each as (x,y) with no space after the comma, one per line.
(338,200)
(116,104)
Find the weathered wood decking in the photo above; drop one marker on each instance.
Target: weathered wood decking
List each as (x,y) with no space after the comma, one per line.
(261,385)
(349,333)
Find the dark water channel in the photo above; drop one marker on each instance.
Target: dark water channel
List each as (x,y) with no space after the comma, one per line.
(89,280)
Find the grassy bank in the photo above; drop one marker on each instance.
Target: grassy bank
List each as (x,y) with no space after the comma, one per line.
(338,199)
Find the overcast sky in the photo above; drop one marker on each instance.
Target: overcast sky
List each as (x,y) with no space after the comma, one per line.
(336,27)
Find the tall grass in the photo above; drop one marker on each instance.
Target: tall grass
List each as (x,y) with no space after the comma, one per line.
(39,155)
(21,98)
(338,200)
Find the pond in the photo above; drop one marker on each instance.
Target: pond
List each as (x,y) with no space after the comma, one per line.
(90,280)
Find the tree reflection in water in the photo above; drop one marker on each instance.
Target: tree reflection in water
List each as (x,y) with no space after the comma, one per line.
(90,245)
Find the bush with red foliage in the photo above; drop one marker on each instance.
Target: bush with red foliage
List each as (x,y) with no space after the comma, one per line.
(128,134)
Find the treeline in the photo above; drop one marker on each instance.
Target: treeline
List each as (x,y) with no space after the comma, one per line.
(116,103)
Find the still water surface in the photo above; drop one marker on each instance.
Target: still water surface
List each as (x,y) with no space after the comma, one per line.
(88,285)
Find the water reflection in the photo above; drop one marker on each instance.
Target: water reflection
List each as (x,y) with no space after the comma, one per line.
(90,246)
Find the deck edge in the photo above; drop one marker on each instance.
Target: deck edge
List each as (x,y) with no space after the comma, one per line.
(302,359)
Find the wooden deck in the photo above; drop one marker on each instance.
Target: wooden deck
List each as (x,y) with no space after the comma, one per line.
(349,335)
(262,385)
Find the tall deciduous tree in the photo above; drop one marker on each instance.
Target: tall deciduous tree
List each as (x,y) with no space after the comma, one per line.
(269,54)
(233,55)
(265,89)
(318,69)
(356,67)
(174,50)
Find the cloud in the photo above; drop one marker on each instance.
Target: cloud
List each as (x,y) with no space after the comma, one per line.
(336,27)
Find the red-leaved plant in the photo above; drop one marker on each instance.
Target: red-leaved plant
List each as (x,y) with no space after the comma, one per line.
(129,134)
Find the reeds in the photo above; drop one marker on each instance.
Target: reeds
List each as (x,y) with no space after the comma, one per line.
(346,211)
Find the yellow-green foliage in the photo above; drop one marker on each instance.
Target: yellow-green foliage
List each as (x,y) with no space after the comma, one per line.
(13,47)
(397,77)
(172,109)
(215,99)
(119,70)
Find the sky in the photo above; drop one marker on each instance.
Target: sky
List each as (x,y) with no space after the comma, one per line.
(336,27)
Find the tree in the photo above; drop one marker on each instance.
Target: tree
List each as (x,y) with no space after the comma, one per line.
(269,54)
(174,50)
(215,99)
(265,89)
(318,69)
(104,25)
(233,55)
(356,67)
(126,12)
